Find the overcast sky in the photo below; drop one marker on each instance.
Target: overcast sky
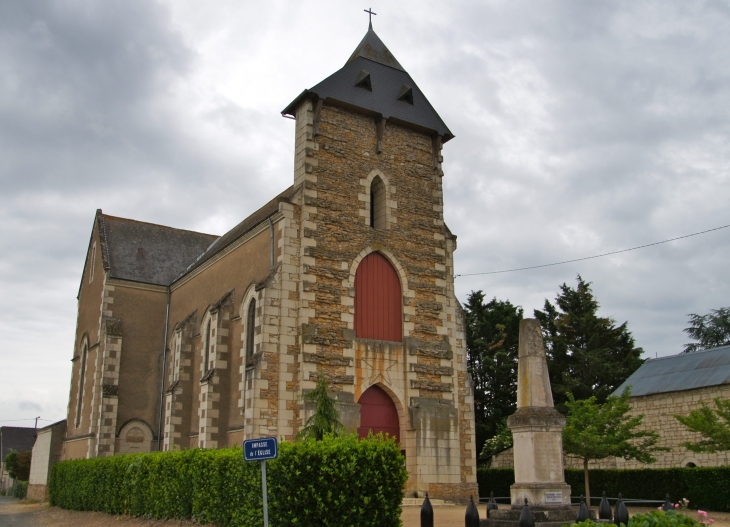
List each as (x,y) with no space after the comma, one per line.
(581,128)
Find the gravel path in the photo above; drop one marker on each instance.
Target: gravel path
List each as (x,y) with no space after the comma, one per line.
(18,514)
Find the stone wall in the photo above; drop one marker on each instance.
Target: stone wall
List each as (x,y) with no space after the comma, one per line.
(658,410)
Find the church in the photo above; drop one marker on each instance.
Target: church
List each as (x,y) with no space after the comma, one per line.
(189,340)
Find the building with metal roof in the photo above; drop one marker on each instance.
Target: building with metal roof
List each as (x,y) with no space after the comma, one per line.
(678,373)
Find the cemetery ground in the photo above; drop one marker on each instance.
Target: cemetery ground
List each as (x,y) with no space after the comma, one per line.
(14,513)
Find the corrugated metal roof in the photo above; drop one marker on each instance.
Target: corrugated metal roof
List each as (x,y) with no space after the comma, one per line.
(686,371)
(388,80)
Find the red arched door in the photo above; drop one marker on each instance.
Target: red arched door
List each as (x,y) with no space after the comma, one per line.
(378,413)
(378,300)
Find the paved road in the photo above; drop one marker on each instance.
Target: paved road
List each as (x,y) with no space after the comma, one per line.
(13,514)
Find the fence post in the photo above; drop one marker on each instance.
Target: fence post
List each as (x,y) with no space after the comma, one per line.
(583,512)
(471,519)
(526,518)
(604,510)
(426,513)
(668,504)
(492,505)
(621,514)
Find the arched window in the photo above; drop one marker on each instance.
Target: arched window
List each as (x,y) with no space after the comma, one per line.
(250,323)
(378,300)
(206,350)
(377,204)
(82,376)
(92,263)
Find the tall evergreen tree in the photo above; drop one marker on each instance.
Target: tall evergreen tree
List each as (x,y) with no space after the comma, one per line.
(710,330)
(492,339)
(588,355)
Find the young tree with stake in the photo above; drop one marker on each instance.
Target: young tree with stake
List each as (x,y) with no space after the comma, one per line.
(597,431)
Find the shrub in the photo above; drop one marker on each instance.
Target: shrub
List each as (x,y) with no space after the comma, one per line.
(340,480)
(19,489)
(705,487)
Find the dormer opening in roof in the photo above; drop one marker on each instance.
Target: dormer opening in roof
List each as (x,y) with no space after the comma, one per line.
(363,80)
(406,94)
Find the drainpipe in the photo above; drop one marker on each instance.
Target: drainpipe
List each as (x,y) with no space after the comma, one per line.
(164,369)
(271,229)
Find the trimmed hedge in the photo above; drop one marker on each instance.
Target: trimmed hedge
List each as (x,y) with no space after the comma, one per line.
(337,481)
(705,487)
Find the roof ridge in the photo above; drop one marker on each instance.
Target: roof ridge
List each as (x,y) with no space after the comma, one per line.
(158,225)
(683,354)
(371,47)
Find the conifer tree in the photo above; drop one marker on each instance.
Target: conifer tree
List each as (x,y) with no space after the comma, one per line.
(588,355)
(492,339)
(326,419)
(710,330)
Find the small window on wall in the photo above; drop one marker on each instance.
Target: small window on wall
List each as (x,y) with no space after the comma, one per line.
(92,263)
(378,300)
(377,204)
(250,322)
(82,376)
(206,349)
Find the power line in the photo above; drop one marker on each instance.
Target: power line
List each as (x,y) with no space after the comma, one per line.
(596,256)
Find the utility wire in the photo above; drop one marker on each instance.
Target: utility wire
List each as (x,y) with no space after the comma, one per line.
(596,256)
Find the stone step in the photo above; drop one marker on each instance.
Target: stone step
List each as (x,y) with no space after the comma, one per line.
(417,502)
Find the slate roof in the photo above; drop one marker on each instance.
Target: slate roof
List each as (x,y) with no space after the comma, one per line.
(17,438)
(387,79)
(686,371)
(146,252)
(239,230)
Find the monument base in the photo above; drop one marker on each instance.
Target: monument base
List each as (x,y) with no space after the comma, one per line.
(543,517)
(540,496)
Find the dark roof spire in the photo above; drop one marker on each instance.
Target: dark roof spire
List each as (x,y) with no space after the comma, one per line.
(372,48)
(373,82)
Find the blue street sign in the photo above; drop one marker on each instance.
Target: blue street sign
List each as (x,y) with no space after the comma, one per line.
(260,449)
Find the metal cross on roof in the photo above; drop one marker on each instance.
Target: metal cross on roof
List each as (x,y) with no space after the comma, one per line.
(370,13)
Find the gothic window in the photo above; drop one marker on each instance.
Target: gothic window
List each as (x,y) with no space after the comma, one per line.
(378,300)
(82,376)
(377,204)
(206,349)
(177,342)
(250,323)
(93,262)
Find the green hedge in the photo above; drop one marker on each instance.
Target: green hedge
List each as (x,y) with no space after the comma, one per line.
(337,481)
(706,488)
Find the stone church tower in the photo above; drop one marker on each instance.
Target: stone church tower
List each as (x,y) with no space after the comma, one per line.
(347,274)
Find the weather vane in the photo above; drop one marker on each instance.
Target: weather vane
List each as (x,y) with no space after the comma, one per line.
(370,13)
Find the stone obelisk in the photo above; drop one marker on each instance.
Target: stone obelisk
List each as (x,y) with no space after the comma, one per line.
(536,429)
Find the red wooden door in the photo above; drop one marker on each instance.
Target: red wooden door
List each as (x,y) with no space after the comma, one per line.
(378,413)
(378,300)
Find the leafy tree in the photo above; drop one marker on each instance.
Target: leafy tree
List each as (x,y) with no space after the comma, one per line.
(492,340)
(713,425)
(326,419)
(597,431)
(711,330)
(501,441)
(18,465)
(588,355)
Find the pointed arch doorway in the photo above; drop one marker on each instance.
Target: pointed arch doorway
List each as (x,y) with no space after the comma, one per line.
(378,413)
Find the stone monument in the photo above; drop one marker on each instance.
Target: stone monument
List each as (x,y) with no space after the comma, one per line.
(536,429)
(538,444)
